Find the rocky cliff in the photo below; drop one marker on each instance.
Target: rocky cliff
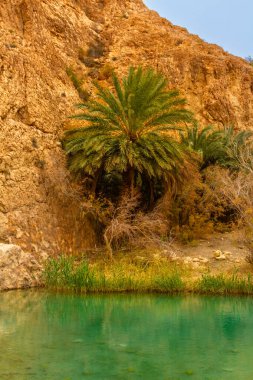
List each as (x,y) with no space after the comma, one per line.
(39,207)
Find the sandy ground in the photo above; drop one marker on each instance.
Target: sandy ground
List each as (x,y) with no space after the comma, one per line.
(229,245)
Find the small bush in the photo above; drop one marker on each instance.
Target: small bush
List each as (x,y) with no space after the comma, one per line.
(87,60)
(96,50)
(206,204)
(132,228)
(249,59)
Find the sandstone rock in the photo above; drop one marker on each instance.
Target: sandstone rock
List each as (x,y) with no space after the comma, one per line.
(204,260)
(3,226)
(19,269)
(221,257)
(217,253)
(19,233)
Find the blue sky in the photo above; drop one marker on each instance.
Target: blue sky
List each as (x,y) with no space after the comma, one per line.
(227,23)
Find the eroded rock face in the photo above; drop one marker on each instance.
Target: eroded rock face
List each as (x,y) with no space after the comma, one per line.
(217,85)
(18,269)
(39,207)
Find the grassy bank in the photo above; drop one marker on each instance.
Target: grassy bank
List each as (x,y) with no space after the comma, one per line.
(112,276)
(137,275)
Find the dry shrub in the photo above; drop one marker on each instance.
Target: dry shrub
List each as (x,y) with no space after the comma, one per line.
(189,216)
(237,190)
(134,228)
(223,207)
(200,208)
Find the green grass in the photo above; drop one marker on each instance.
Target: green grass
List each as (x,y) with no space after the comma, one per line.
(221,284)
(63,272)
(66,273)
(130,275)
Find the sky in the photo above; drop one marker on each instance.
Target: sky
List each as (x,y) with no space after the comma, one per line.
(227,23)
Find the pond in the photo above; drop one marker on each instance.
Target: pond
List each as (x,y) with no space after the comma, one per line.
(46,336)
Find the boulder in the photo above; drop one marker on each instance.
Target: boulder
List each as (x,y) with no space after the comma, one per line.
(217,253)
(221,257)
(19,269)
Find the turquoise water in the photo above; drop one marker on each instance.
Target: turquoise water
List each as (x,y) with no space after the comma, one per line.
(65,337)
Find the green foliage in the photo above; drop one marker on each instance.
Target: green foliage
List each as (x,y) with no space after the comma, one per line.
(137,274)
(64,273)
(130,129)
(78,84)
(170,283)
(225,285)
(221,147)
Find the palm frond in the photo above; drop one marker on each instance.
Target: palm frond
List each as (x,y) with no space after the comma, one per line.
(131,125)
(216,146)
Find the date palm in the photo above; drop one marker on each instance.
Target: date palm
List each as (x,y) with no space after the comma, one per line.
(129,129)
(216,146)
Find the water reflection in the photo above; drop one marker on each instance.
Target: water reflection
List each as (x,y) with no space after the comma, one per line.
(48,336)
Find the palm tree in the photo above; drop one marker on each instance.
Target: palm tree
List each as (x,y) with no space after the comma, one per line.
(237,145)
(216,146)
(129,129)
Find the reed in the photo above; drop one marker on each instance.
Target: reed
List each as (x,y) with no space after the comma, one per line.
(129,274)
(222,284)
(67,273)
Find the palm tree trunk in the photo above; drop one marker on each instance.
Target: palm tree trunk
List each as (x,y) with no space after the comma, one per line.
(151,194)
(131,180)
(97,175)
